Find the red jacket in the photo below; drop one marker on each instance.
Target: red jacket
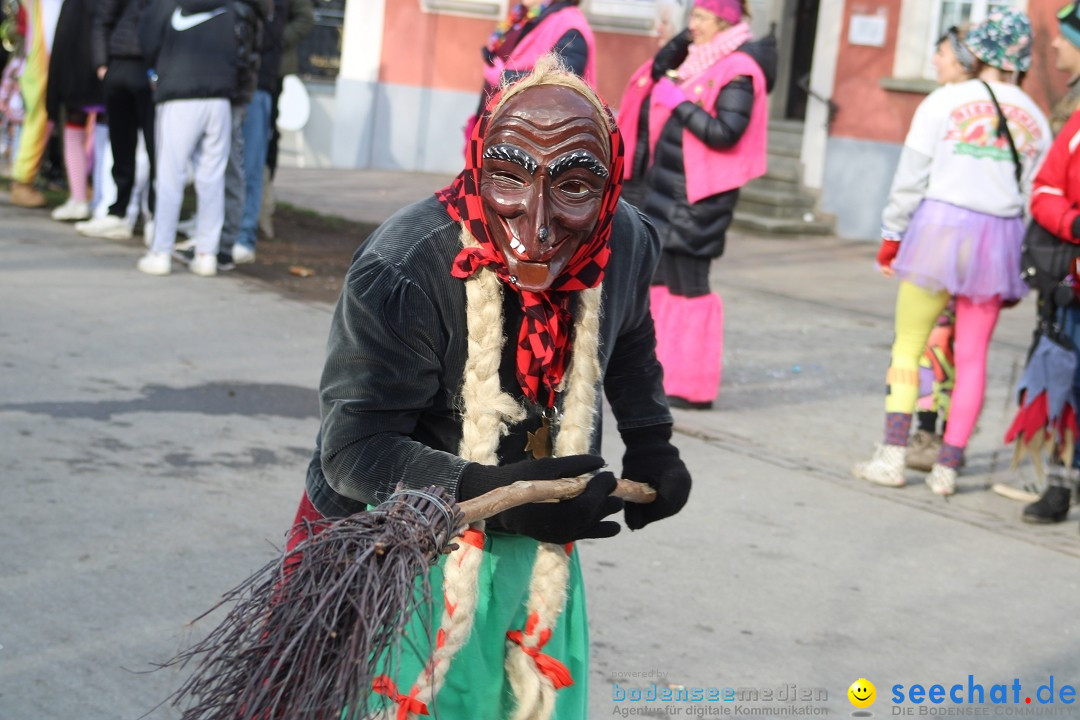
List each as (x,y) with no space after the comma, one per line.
(1055,194)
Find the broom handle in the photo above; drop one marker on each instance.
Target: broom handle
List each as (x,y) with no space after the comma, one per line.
(530,491)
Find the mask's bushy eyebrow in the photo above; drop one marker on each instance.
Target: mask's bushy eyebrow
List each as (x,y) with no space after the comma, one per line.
(576,159)
(510,153)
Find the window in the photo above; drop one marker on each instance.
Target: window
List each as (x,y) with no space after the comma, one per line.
(319,53)
(621,15)
(493,9)
(617,15)
(919,30)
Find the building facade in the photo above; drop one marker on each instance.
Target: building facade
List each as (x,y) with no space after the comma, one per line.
(391,82)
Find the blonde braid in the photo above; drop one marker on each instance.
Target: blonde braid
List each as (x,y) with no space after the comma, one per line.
(534,691)
(488,413)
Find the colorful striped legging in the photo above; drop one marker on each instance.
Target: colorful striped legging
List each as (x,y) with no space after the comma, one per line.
(917,309)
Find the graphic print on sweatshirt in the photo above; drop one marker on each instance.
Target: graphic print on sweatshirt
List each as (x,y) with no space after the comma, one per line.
(973,127)
(182,22)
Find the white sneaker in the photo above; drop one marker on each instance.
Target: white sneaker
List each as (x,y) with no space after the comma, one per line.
(886,467)
(204,264)
(148,233)
(109,227)
(71,210)
(242,254)
(153,263)
(942,480)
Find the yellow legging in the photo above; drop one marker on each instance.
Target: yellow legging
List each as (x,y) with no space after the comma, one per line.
(917,310)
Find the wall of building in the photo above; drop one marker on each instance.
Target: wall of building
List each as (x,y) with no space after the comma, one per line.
(404,107)
(870,125)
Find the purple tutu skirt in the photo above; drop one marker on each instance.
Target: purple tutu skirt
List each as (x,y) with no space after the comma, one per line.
(964,252)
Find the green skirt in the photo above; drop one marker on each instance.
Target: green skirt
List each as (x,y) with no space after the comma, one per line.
(476,685)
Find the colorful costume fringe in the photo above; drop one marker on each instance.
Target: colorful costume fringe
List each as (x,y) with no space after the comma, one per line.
(1046,419)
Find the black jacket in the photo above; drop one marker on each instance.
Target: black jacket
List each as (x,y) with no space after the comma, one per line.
(203,48)
(696,229)
(191,46)
(251,17)
(391,385)
(114,32)
(270,60)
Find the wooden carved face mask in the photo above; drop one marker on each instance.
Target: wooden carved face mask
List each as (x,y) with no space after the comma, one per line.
(545,167)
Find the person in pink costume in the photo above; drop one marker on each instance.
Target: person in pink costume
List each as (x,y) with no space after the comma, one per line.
(531,30)
(695,121)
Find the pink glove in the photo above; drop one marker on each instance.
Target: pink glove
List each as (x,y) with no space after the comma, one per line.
(667,94)
(493,73)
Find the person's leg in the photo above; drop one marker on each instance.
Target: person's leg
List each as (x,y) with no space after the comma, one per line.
(694,337)
(75,155)
(210,170)
(256,130)
(102,167)
(34,134)
(234,183)
(975,324)
(145,113)
(123,131)
(1061,481)
(916,311)
(179,127)
(275,134)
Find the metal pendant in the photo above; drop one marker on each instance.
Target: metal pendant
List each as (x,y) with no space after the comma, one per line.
(541,443)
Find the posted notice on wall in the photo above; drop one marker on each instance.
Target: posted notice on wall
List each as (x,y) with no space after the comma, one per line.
(868,30)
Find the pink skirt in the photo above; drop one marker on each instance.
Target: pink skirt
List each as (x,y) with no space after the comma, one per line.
(964,252)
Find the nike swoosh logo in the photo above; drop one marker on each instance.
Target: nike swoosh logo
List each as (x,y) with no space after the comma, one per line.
(181,22)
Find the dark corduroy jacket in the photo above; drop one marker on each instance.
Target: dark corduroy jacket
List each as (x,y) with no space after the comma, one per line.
(395,359)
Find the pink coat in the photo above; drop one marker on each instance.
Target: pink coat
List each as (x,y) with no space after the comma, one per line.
(541,40)
(708,171)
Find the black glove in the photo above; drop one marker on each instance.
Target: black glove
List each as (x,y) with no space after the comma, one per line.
(570,520)
(651,458)
(561,522)
(477,479)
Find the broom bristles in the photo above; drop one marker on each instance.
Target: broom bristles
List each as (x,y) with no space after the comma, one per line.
(307,632)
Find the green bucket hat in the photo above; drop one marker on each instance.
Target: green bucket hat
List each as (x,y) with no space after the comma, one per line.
(1003,40)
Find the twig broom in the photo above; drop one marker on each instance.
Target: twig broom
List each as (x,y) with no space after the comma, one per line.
(306,633)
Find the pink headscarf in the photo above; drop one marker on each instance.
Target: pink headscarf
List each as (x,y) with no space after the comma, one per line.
(729,10)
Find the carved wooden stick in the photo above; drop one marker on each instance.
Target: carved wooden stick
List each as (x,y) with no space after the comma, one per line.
(530,491)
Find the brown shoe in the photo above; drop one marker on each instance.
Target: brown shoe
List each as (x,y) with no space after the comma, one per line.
(25,195)
(922,450)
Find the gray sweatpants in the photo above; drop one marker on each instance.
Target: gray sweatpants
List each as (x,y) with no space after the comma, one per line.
(195,132)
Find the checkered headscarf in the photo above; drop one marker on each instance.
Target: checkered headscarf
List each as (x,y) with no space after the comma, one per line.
(543,346)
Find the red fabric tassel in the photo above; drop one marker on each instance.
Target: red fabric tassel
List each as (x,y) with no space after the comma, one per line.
(552,669)
(383,685)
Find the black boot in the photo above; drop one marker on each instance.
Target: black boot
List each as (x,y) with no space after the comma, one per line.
(1052,507)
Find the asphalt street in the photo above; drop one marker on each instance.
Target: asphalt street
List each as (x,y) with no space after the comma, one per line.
(154,433)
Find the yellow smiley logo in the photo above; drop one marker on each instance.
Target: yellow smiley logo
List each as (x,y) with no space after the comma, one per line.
(862,693)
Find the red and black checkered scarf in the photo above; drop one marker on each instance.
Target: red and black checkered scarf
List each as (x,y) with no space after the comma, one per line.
(543,347)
